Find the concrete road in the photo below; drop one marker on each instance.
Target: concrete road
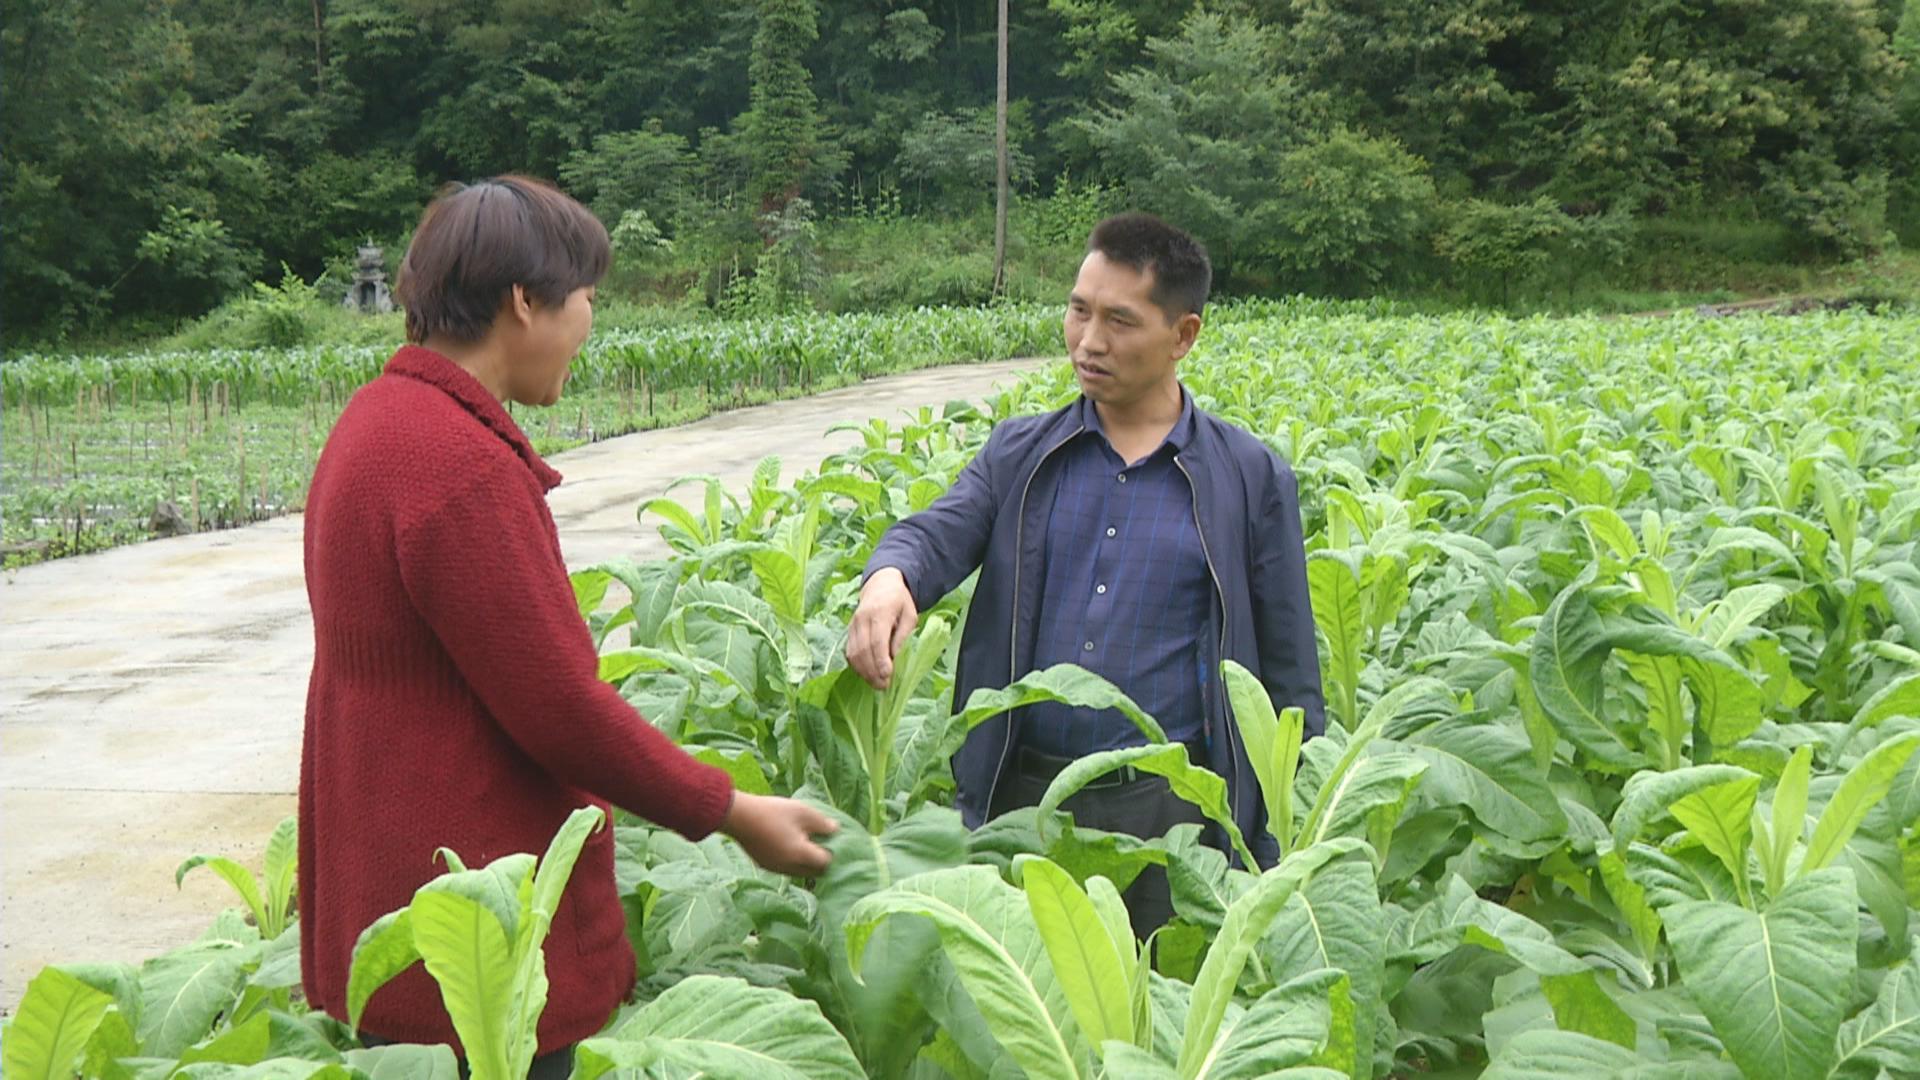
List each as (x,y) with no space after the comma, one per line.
(151,696)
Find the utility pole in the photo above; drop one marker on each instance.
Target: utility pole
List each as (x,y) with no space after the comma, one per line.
(1000,155)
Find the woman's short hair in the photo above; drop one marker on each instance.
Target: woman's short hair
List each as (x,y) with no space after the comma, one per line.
(475,242)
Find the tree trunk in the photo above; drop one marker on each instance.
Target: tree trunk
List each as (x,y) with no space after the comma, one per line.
(319,44)
(1000,157)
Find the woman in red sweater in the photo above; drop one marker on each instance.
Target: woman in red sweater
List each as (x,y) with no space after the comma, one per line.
(455,698)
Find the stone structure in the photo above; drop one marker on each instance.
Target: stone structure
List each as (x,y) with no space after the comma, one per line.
(369,294)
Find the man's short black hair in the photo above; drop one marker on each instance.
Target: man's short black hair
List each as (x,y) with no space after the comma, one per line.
(1182,274)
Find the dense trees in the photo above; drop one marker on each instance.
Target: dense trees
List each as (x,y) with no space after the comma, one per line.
(161,153)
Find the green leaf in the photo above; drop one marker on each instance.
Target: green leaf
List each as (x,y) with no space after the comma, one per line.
(1333,587)
(1246,922)
(989,936)
(280,876)
(1772,983)
(1342,806)
(406,1061)
(1489,769)
(235,875)
(383,951)
(1068,684)
(1723,621)
(1556,1055)
(1273,745)
(1336,921)
(723,1027)
(1864,785)
(1886,1034)
(51,1027)
(1287,1026)
(1647,795)
(1570,651)
(1721,817)
(183,991)
(243,1045)
(1086,958)
(468,953)
(783,583)
(1901,697)
(1580,1005)
(1191,782)
(1789,815)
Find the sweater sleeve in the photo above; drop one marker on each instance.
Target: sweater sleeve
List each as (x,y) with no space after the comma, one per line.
(483,573)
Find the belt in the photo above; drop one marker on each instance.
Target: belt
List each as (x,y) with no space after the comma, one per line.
(1042,766)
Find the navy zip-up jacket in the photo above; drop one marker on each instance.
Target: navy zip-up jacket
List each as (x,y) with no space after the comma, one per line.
(1247,509)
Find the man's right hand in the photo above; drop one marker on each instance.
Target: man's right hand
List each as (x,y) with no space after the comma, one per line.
(778,834)
(883,622)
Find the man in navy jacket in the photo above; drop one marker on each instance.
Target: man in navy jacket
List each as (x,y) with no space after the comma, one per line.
(1128,532)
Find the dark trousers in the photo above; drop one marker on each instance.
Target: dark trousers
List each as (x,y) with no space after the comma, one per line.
(1145,807)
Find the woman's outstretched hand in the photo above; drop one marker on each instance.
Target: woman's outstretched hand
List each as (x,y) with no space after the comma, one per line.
(779,833)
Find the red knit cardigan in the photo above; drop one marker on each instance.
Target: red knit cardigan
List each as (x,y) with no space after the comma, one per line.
(455,699)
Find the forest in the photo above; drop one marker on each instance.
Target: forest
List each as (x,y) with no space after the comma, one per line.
(162,156)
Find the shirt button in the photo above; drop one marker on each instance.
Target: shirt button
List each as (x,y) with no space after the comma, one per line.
(1088,647)
(1110,532)
(1123,478)
(1101,589)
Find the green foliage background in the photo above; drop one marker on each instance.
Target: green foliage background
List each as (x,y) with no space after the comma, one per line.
(163,154)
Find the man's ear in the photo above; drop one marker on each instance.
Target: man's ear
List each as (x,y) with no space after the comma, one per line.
(1186,331)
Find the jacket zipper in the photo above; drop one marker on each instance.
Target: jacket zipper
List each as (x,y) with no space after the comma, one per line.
(1220,652)
(1013,631)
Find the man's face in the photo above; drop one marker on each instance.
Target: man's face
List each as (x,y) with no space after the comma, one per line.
(1124,347)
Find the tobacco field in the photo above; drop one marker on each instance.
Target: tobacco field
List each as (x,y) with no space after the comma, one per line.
(1620,638)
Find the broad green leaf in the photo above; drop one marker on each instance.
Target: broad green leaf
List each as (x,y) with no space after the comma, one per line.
(990,938)
(243,1045)
(1489,769)
(1723,621)
(1580,1005)
(235,875)
(469,955)
(383,951)
(183,991)
(1886,1034)
(783,583)
(406,1061)
(1721,817)
(1284,1028)
(1333,586)
(1273,745)
(1901,697)
(1864,785)
(742,768)
(1191,782)
(51,1026)
(1685,874)
(1647,795)
(279,876)
(1341,807)
(1335,921)
(1557,1055)
(1246,922)
(556,866)
(1068,684)
(1660,677)
(723,1027)
(1773,983)
(1086,958)
(1789,815)
(1567,668)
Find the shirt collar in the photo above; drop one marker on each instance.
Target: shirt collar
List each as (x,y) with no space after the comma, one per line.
(425,365)
(1178,438)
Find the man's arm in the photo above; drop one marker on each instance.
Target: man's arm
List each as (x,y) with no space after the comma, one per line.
(938,547)
(1282,608)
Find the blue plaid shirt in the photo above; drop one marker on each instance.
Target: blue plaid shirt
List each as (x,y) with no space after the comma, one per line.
(1126,593)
